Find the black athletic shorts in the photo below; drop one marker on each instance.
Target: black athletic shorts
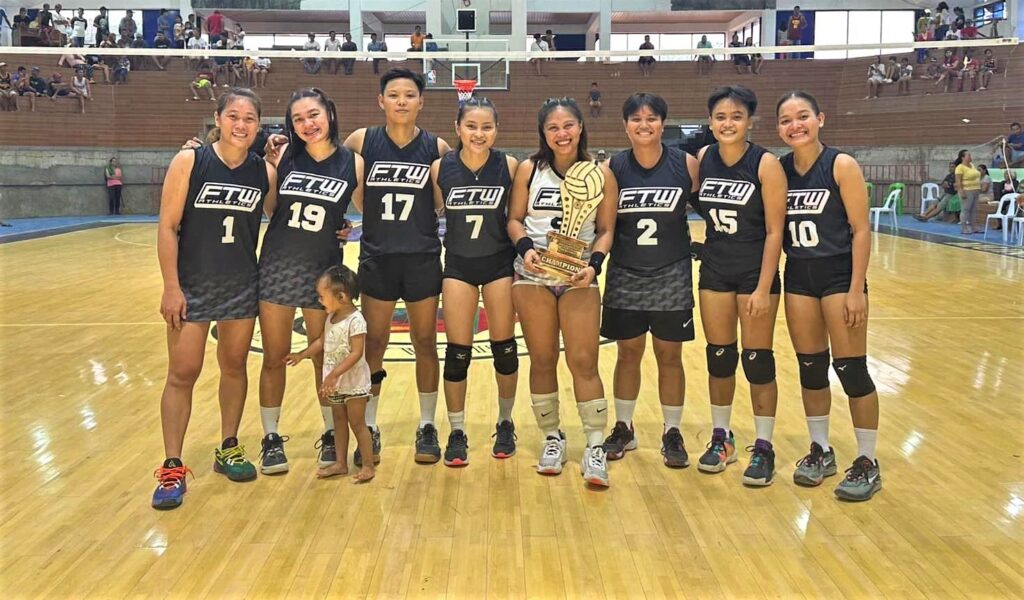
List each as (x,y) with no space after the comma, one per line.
(667,325)
(820,277)
(410,277)
(478,271)
(740,283)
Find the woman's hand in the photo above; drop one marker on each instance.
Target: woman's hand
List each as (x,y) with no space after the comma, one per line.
(345,231)
(173,307)
(584,278)
(192,144)
(532,262)
(758,304)
(855,311)
(294,358)
(274,150)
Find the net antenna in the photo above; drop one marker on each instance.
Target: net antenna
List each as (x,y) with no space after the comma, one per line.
(464,88)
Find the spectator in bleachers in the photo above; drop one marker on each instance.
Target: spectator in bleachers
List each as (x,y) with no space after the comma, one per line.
(704,61)
(190,28)
(959,20)
(202,82)
(538,45)
(416,40)
(238,37)
(892,70)
(162,42)
(6,29)
(595,100)
(905,76)
(311,65)
(376,46)
(549,37)
(876,78)
(121,70)
(740,61)
(923,33)
(942,20)
(127,28)
(646,62)
(165,22)
(80,88)
(797,24)
(332,44)
(950,70)
(95,62)
(45,19)
(969,71)
(8,95)
(178,32)
(21,20)
(61,25)
(1015,146)
(985,193)
(948,188)
(78,27)
(969,32)
(32,87)
(138,62)
(968,186)
(756,60)
(933,71)
(350,46)
(215,27)
(260,71)
(57,87)
(988,67)
(429,44)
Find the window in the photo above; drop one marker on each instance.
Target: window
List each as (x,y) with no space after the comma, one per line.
(862,27)
(830,27)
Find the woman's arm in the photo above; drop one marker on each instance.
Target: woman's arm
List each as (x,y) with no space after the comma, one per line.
(172,207)
(357,194)
(517,206)
(435,168)
(270,202)
(773,193)
(855,200)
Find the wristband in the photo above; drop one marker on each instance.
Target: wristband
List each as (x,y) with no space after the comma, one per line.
(596,260)
(524,245)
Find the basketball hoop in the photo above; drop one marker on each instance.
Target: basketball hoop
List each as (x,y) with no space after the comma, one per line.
(465,87)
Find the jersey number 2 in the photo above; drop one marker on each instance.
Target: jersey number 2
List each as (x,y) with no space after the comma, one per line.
(311,218)
(389,206)
(803,234)
(646,237)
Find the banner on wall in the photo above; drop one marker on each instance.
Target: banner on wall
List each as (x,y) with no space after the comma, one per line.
(249,4)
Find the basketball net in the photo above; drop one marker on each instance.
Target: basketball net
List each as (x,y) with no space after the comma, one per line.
(464,88)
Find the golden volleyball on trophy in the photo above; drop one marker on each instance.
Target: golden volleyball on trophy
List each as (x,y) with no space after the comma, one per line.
(582,191)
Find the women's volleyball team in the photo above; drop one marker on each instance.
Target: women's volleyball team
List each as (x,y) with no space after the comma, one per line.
(812,203)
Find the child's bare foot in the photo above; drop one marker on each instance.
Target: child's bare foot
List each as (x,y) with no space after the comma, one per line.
(332,471)
(365,474)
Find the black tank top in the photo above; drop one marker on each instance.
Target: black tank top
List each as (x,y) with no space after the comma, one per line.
(221,222)
(816,222)
(476,205)
(312,198)
(731,204)
(651,229)
(398,202)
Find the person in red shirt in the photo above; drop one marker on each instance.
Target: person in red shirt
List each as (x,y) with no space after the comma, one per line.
(969,32)
(215,26)
(797,24)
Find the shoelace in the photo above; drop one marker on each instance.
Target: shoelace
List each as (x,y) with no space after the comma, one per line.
(320,443)
(620,434)
(674,440)
(430,436)
(171,477)
(596,458)
(757,456)
(274,449)
(460,441)
(234,455)
(717,446)
(505,433)
(552,448)
(858,471)
(814,457)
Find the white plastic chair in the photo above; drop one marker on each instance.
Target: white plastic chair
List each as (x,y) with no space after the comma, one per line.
(929,193)
(1018,230)
(1004,213)
(888,207)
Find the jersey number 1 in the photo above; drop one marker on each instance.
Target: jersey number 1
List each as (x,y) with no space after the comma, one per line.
(229,231)
(389,206)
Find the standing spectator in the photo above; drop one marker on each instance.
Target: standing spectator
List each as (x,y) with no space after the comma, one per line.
(45,20)
(332,44)
(121,70)
(1015,146)
(922,33)
(376,46)
(550,39)
(968,186)
(943,19)
(112,175)
(646,62)
(8,95)
(190,27)
(756,60)
(416,40)
(988,67)
(127,28)
(538,45)
(959,21)
(215,27)
(797,24)
(78,27)
(21,20)
(906,75)
(162,42)
(178,31)
(595,100)
(6,29)
(165,22)
(348,46)
(62,25)
(782,39)
(740,61)
(311,65)
(239,38)
(704,61)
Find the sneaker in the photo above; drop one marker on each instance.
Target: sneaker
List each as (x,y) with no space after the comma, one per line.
(721,452)
(170,492)
(357,457)
(863,479)
(428,450)
(552,455)
(673,451)
(812,469)
(328,454)
(761,470)
(595,466)
(272,457)
(456,454)
(231,461)
(620,441)
(504,440)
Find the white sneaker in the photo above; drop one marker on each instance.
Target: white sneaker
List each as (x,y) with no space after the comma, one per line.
(595,466)
(552,456)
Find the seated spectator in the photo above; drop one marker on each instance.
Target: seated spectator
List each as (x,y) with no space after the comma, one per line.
(646,62)
(934,70)
(969,71)
(238,37)
(348,46)
(892,70)
(162,42)
(905,76)
(260,71)
(740,61)
(32,87)
(948,188)
(429,44)
(950,70)
(416,40)
(178,33)
(332,44)
(195,42)
(57,87)
(1015,145)
(985,194)
(203,81)
(876,77)
(704,61)
(377,46)
(45,19)
(311,65)
(969,32)
(228,66)
(595,100)
(8,94)
(988,67)
(80,88)
(124,66)
(756,60)
(127,28)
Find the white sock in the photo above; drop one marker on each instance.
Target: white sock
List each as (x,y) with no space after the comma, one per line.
(866,440)
(818,427)
(328,414)
(270,415)
(720,416)
(457,420)
(371,411)
(673,416)
(505,408)
(624,410)
(594,414)
(428,408)
(763,427)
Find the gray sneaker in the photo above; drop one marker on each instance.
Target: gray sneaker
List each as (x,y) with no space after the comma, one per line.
(552,455)
(272,457)
(428,449)
(595,466)
(862,480)
(812,469)
(357,457)
(328,454)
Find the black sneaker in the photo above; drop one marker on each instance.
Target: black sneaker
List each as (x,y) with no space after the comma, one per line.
(357,457)
(761,470)
(504,440)
(272,458)
(621,439)
(328,452)
(457,452)
(428,450)
(673,451)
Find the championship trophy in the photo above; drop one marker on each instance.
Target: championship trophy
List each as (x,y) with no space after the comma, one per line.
(582,191)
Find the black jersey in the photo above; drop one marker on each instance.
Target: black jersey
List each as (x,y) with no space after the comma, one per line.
(651,229)
(398,202)
(476,205)
(221,222)
(731,204)
(816,222)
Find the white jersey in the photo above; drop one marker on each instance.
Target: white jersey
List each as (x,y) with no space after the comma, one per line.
(337,346)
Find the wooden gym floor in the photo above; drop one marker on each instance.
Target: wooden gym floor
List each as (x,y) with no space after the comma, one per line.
(82,364)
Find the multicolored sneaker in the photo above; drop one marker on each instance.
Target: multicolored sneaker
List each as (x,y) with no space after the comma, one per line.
(863,479)
(504,440)
(812,469)
(620,441)
(357,457)
(328,452)
(456,454)
(170,492)
(761,470)
(595,466)
(721,452)
(428,450)
(230,460)
(272,457)
(552,455)
(673,451)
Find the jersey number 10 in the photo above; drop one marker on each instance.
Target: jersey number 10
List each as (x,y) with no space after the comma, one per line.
(803,234)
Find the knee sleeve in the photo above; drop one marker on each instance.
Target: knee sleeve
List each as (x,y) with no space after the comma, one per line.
(545,408)
(506,356)
(722,360)
(456,362)
(378,376)
(853,374)
(759,366)
(814,370)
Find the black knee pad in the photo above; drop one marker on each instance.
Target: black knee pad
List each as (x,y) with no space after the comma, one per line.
(759,366)
(506,356)
(722,360)
(378,376)
(853,374)
(456,362)
(814,370)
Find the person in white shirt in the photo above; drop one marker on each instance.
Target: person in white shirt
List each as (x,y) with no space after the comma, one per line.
(539,45)
(260,71)
(333,44)
(311,65)
(876,76)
